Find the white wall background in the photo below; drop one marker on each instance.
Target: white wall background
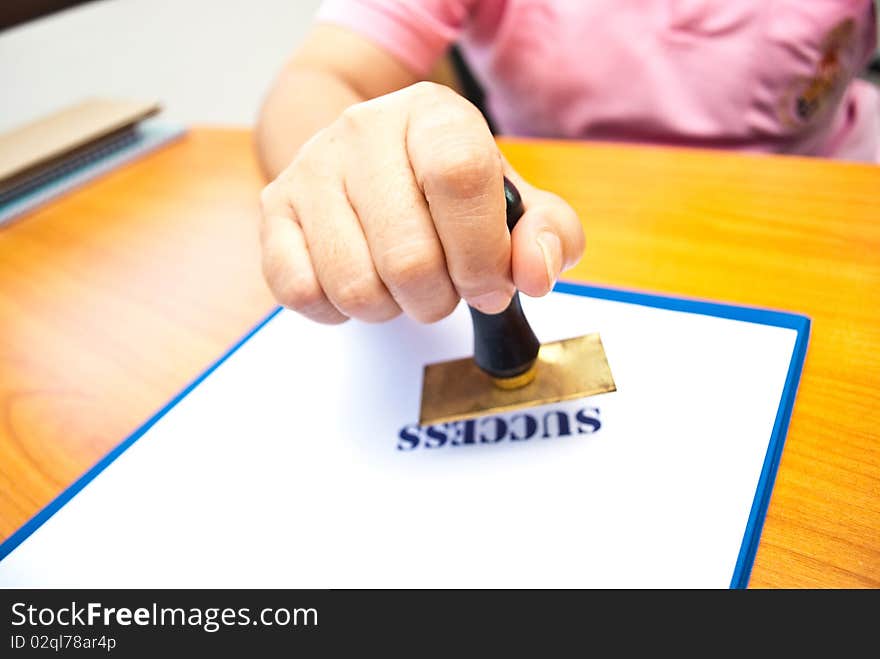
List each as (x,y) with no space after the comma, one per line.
(206,61)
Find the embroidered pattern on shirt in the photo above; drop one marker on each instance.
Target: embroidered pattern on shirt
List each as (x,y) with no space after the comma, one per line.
(807,96)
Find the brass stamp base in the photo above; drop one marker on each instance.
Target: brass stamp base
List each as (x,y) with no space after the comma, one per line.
(565,370)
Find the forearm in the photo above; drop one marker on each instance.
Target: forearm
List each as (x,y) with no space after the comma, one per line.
(302,101)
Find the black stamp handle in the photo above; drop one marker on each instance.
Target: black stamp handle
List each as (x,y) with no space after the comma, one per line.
(504,344)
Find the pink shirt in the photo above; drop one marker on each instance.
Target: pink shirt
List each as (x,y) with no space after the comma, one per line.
(760,75)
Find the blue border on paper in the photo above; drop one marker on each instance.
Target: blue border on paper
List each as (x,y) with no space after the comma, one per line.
(742,570)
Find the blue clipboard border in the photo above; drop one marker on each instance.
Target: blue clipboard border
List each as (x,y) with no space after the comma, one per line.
(752,534)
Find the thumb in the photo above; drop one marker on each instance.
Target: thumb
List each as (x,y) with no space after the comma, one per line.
(547,239)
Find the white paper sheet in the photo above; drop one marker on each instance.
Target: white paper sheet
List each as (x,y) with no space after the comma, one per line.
(285,467)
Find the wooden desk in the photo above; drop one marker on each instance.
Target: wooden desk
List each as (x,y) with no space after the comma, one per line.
(115,297)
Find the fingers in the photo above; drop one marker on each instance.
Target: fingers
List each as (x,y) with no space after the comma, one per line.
(315,258)
(400,232)
(548,239)
(339,251)
(457,166)
(399,206)
(288,270)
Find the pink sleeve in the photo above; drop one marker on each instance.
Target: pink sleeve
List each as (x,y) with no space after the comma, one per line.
(417,32)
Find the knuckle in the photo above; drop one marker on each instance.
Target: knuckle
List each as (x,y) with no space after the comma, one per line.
(306,168)
(571,229)
(269,198)
(464,168)
(442,107)
(356,118)
(428,90)
(315,162)
(417,275)
(298,292)
(571,218)
(362,297)
(566,213)
(439,310)
(578,246)
(296,289)
(411,267)
(481,275)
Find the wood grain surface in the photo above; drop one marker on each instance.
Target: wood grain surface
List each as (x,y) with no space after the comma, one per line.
(113,298)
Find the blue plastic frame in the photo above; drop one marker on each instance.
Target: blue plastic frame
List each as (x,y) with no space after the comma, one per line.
(745,560)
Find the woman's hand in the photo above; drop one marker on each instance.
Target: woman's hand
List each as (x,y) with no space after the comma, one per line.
(399,205)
